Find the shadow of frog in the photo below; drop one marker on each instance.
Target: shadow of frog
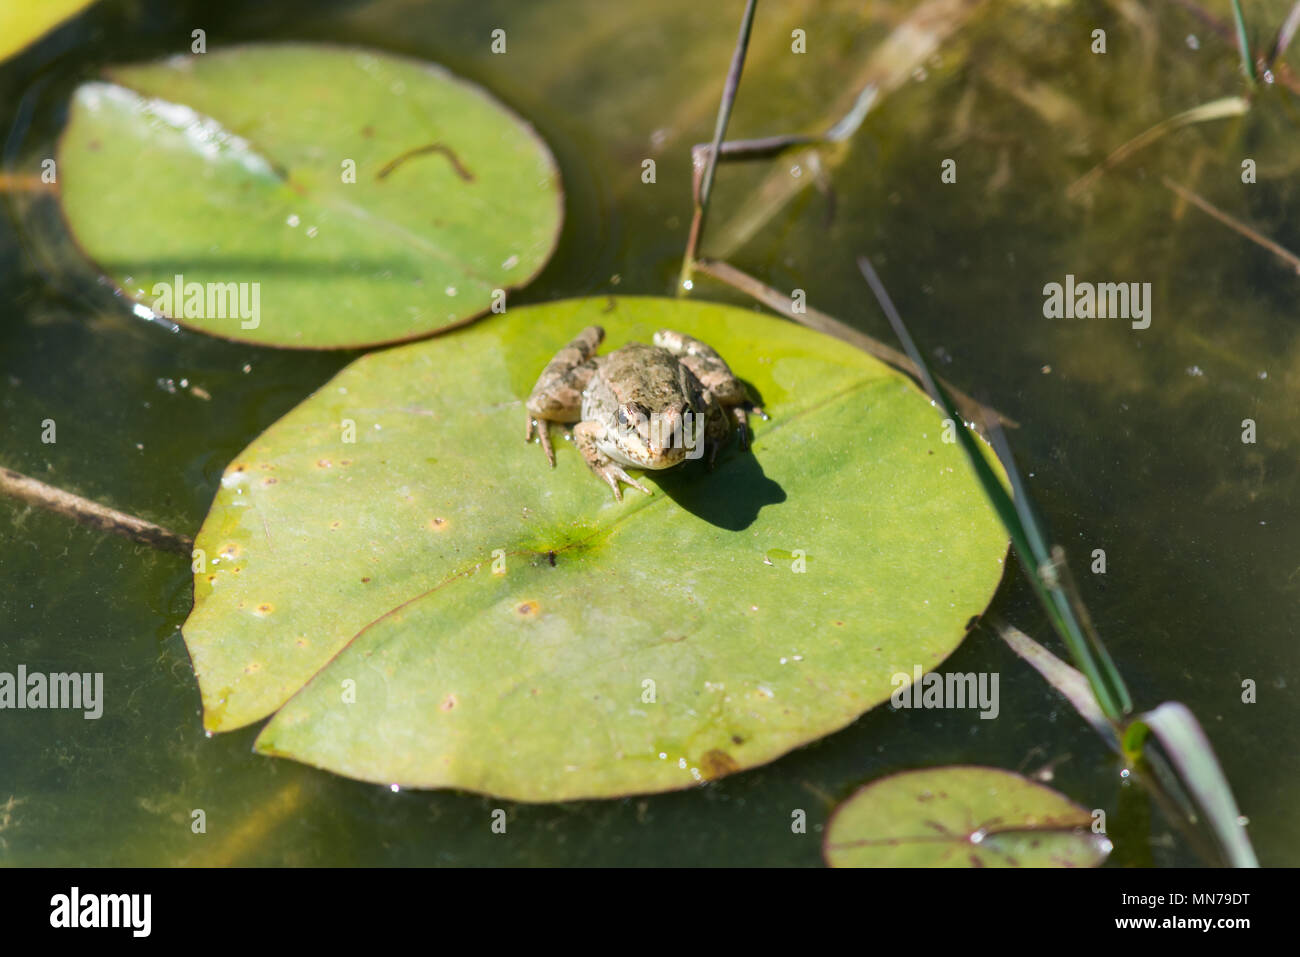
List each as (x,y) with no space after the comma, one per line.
(730,496)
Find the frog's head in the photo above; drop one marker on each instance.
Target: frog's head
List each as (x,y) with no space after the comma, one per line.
(657,439)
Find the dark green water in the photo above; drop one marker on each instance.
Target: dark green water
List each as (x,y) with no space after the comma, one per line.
(1132,439)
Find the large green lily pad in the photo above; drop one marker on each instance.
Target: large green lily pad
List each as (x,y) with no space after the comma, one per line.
(627,647)
(233,167)
(961,817)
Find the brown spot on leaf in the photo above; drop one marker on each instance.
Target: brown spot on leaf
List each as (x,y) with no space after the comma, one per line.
(335,524)
(365,580)
(717,763)
(265,608)
(270,480)
(438,524)
(448,703)
(527,609)
(324,464)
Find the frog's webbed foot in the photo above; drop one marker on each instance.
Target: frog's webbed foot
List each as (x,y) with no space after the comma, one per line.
(584,437)
(543,427)
(742,422)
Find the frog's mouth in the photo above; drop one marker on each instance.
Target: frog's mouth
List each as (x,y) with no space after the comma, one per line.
(659,441)
(642,456)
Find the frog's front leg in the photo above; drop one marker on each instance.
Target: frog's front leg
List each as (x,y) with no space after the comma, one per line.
(585,436)
(714,374)
(557,396)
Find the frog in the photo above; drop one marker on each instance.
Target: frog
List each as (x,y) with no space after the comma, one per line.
(647,407)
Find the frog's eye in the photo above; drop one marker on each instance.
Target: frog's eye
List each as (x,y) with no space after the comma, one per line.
(622,417)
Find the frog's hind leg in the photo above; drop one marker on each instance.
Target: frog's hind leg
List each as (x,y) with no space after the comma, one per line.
(557,396)
(584,437)
(714,374)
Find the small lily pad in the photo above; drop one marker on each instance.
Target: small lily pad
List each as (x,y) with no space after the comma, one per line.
(23,22)
(421,600)
(961,817)
(306,196)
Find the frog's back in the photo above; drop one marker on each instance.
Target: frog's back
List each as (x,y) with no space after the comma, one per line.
(647,375)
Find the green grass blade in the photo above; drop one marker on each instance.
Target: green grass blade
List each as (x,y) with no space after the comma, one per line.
(1072,685)
(1247,62)
(1182,739)
(729,90)
(1042,567)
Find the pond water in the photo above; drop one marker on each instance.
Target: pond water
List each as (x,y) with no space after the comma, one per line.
(1131,439)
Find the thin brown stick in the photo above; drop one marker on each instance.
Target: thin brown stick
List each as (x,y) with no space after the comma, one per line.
(26,489)
(1236,225)
(971,409)
(704,179)
(23,183)
(1219,109)
(1221,27)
